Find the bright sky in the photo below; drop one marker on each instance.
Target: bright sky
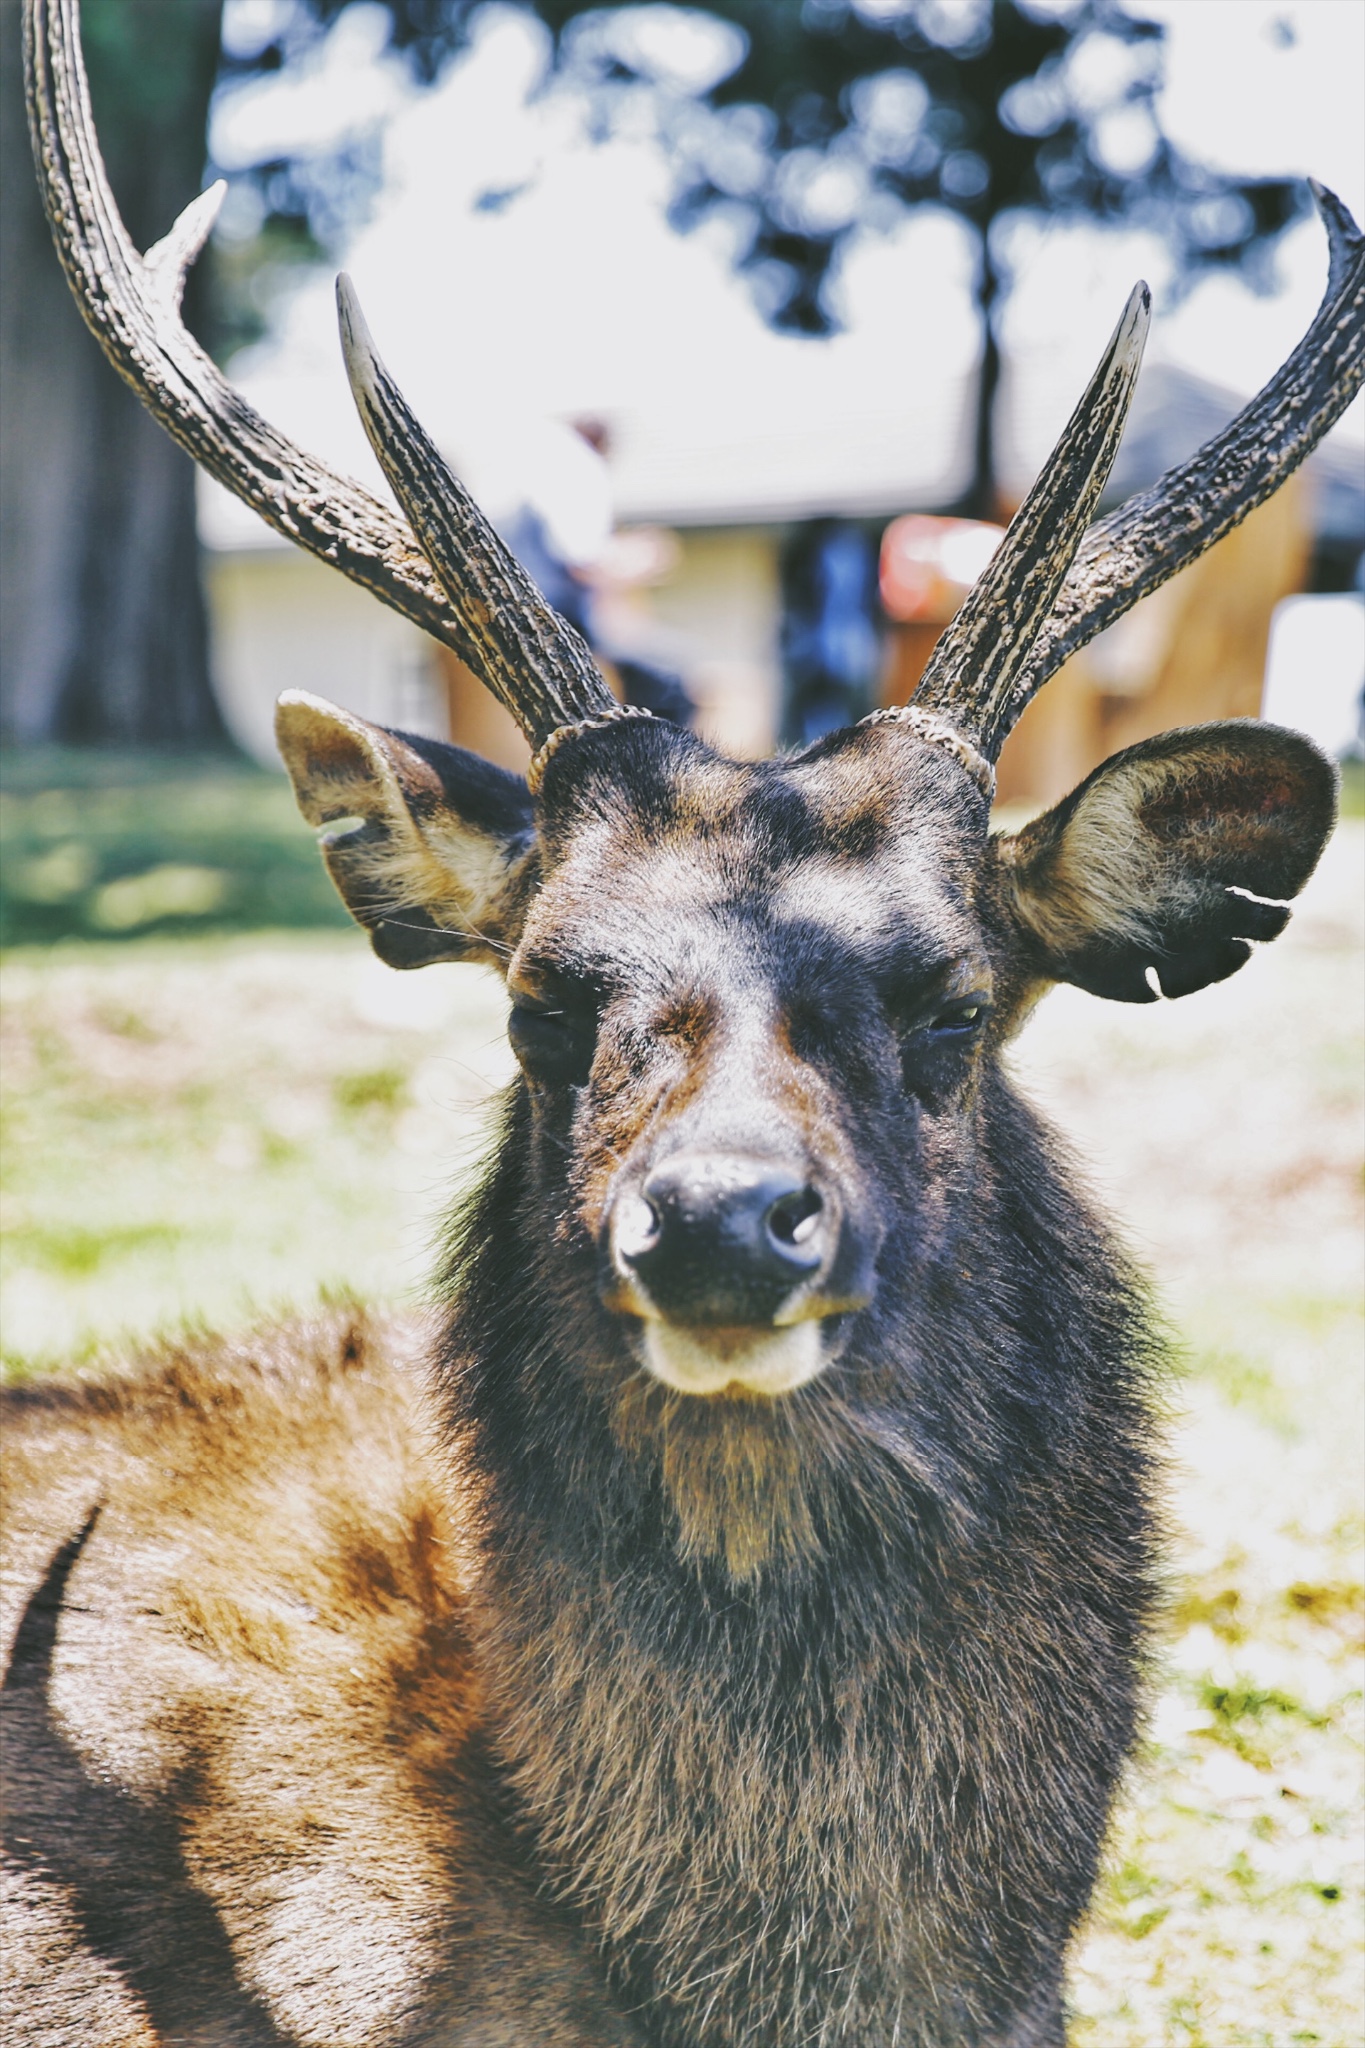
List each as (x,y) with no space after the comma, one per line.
(577,298)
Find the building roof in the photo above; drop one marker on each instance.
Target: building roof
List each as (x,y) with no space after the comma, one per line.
(689,464)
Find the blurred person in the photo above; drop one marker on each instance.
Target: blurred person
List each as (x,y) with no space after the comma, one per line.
(562,534)
(831,643)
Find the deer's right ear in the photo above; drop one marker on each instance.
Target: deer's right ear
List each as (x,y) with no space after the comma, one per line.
(1169,860)
(433,849)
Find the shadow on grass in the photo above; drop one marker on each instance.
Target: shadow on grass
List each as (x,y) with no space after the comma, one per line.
(114,845)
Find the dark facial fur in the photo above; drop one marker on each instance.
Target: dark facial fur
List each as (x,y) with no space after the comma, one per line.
(816,1705)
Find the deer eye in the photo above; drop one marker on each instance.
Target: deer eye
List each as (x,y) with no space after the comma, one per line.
(931,1052)
(960,1019)
(553,1042)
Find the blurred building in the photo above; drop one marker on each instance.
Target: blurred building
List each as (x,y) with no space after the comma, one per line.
(747,563)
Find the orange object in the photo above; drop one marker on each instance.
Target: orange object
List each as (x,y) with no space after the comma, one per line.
(928,565)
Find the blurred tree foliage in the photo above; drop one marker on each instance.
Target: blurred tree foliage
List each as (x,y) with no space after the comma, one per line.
(801,123)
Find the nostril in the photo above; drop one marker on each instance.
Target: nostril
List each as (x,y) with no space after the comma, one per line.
(718,1238)
(794,1218)
(635,1227)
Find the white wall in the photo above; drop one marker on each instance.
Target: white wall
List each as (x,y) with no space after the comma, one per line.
(721,610)
(283,621)
(1315,669)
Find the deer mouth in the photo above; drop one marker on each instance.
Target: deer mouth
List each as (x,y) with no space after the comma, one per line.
(746,1360)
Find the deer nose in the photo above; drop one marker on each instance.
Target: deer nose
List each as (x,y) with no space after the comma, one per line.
(721,1239)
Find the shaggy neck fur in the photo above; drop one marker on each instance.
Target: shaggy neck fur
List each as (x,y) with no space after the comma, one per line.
(815,1708)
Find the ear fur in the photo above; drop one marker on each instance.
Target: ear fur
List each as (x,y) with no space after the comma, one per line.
(1159,858)
(441,862)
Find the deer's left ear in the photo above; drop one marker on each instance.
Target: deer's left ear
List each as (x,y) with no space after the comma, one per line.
(434,849)
(1172,855)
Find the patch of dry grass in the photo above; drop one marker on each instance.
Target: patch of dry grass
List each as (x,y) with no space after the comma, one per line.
(1226,1131)
(216,1129)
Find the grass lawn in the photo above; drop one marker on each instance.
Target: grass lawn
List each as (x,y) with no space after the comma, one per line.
(215,1128)
(111,845)
(217,1125)
(1226,1131)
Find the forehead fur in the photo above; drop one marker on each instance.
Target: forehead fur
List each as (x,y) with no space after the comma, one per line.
(869,831)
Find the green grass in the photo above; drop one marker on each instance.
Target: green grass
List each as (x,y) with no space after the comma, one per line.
(213,1128)
(78,1252)
(116,846)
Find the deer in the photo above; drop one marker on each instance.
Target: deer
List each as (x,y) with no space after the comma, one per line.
(728,1623)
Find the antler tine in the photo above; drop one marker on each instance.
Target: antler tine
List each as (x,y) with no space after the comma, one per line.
(531,658)
(973,670)
(131,304)
(1135,549)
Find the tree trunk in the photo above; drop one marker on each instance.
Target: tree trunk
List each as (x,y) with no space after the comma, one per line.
(103,627)
(983,499)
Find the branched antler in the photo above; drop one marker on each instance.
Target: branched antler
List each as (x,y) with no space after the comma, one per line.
(973,670)
(1046,593)
(1133,551)
(496,597)
(131,304)
(1124,557)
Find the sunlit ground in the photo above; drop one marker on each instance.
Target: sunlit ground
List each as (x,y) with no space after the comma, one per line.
(1226,1131)
(210,1127)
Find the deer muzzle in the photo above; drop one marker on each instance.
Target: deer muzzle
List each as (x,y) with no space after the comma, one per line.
(728,1260)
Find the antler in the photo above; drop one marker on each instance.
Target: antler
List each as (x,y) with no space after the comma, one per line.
(515,624)
(974,667)
(488,611)
(1154,534)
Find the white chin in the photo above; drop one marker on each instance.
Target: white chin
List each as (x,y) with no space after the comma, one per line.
(754,1362)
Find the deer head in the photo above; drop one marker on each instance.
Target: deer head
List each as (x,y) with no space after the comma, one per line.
(756,1007)
(754,1004)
